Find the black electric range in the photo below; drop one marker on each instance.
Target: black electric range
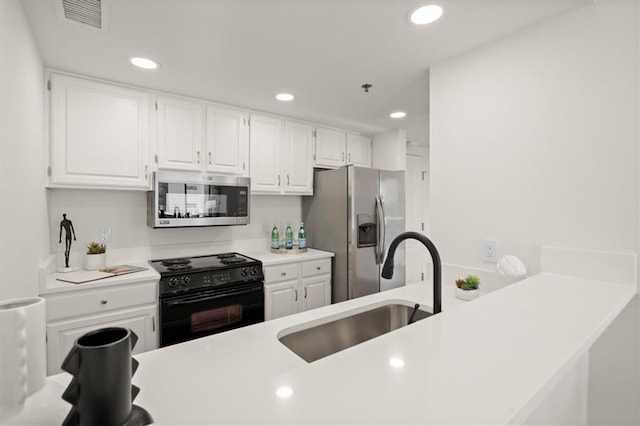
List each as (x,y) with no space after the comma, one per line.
(204,295)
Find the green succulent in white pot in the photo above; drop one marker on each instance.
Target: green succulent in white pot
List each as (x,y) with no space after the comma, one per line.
(96,256)
(468,288)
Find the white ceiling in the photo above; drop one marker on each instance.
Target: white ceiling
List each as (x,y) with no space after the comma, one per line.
(242,52)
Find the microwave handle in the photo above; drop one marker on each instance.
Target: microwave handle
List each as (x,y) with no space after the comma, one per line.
(206,298)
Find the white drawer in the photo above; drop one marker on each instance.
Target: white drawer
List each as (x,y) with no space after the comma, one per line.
(288,271)
(316,267)
(96,301)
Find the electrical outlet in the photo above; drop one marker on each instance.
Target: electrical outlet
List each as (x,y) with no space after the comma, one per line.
(490,251)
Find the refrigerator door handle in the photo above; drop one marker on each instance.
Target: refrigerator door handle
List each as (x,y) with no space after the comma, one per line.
(381,230)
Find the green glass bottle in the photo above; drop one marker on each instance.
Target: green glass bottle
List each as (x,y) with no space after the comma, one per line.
(288,237)
(302,237)
(275,237)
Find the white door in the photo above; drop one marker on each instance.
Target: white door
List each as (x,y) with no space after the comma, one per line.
(227,141)
(330,148)
(416,254)
(280,299)
(61,336)
(180,134)
(99,134)
(265,137)
(358,150)
(316,292)
(298,158)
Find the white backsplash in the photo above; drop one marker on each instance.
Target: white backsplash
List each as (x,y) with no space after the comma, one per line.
(125,212)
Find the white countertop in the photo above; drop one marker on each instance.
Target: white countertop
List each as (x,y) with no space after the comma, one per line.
(505,349)
(268,258)
(53,285)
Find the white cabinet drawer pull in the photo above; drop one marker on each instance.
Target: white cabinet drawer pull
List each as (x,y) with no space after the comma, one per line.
(318,268)
(284,274)
(103,302)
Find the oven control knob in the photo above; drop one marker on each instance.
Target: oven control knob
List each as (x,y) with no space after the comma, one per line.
(173,282)
(244,272)
(184,281)
(254,270)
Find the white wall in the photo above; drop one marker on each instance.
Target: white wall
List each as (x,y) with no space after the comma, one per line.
(534,140)
(389,150)
(24,232)
(125,212)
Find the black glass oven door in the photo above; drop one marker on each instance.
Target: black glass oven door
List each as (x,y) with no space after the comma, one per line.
(189,317)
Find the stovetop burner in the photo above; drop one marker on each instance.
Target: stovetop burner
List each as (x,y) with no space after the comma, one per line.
(173,266)
(232,260)
(177,261)
(179,267)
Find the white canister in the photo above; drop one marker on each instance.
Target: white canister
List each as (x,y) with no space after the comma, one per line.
(23,350)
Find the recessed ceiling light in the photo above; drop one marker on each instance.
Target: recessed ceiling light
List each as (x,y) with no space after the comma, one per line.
(144,63)
(396,362)
(398,114)
(426,14)
(285,97)
(284,392)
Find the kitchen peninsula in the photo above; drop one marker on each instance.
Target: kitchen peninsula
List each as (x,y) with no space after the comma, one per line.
(496,360)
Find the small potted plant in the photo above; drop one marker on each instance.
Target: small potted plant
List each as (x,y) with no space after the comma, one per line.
(468,288)
(96,256)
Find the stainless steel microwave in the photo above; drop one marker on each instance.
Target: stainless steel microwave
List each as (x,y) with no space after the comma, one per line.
(182,199)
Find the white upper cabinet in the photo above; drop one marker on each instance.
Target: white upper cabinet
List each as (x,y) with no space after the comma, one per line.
(227,141)
(198,136)
(331,147)
(99,135)
(298,149)
(358,150)
(281,156)
(180,134)
(265,136)
(336,148)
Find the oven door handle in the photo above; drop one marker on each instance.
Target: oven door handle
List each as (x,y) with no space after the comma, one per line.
(191,301)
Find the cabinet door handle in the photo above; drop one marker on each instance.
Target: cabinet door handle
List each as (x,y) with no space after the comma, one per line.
(305,292)
(317,268)
(349,157)
(209,157)
(343,156)
(153,323)
(284,274)
(103,302)
(278,180)
(244,166)
(198,153)
(288,183)
(146,171)
(296,290)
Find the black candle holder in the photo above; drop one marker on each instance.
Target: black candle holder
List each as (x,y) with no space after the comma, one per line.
(101,392)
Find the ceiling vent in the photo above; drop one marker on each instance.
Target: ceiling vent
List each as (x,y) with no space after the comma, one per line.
(88,13)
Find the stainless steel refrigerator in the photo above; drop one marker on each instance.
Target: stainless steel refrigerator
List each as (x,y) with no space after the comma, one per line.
(356,212)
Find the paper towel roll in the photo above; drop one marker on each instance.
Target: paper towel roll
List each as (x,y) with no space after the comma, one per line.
(23,352)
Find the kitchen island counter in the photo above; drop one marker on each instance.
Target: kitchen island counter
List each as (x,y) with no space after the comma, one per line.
(506,349)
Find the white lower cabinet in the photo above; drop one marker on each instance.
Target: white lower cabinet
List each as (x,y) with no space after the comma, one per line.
(72,314)
(296,287)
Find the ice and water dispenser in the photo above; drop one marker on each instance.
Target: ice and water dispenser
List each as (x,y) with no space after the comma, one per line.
(367,230)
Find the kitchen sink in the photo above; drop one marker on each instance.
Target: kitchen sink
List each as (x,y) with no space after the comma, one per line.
(322,340)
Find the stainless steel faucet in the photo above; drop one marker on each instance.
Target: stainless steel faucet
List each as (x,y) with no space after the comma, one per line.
(387,269)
